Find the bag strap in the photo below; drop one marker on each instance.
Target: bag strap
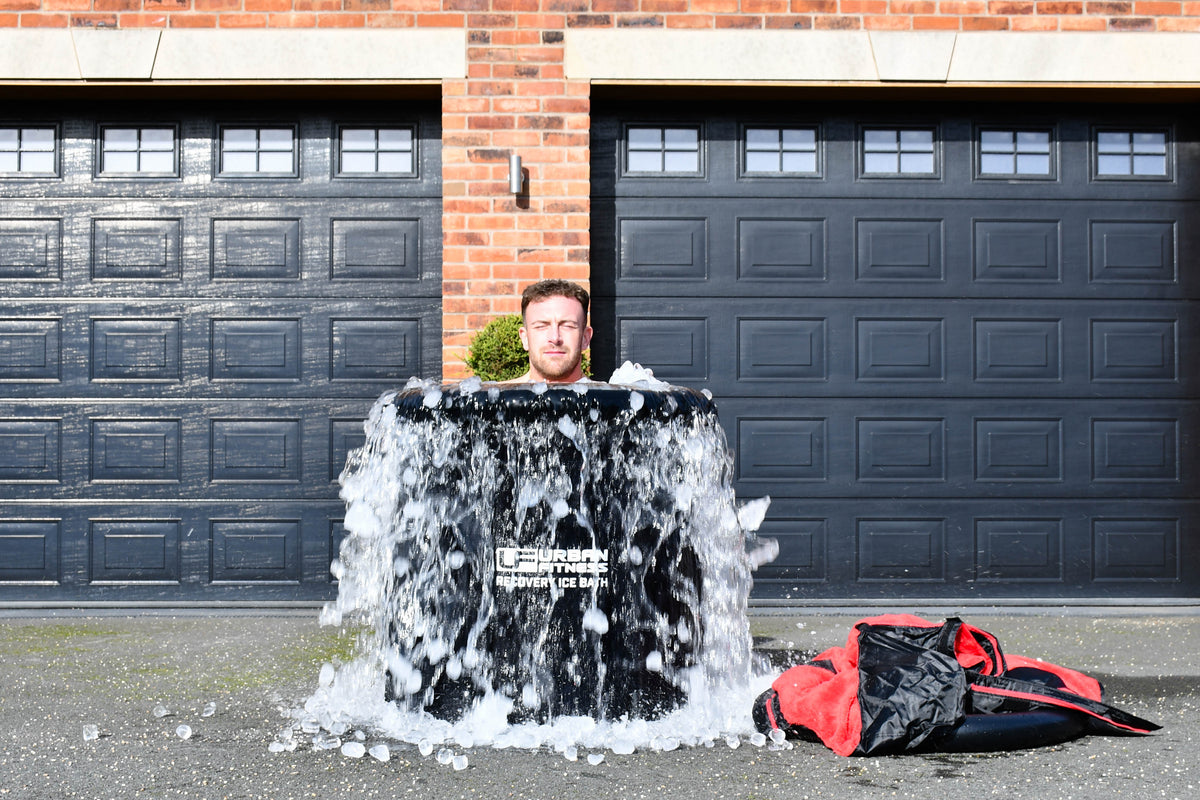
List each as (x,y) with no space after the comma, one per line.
(986,641)
(1109,716)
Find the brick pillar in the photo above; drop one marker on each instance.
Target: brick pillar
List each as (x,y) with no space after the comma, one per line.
(515,99)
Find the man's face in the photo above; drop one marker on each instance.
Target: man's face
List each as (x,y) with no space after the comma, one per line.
(555,333)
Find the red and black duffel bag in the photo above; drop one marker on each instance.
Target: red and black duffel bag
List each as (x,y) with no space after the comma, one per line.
(903,684)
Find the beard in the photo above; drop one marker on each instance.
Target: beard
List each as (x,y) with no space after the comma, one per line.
(554,368)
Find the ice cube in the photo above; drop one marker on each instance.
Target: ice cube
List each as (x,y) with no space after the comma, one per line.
(459,762)
(733,741)
(445,756)
(353,750)
(326,741)
(636,401)
(595,620)
(277,747)
(425,747)
(380,752)
(310,726)
(184,732)
(325,677)
(161,711)
(595,758)
(571,753)
(91,733)
(757,739)
(209,710)
(777,736)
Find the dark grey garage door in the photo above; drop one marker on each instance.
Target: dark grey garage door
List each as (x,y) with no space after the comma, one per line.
(957,346)
(197,307)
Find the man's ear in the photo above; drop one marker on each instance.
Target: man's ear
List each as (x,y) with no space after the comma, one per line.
(587,338)
(524,337)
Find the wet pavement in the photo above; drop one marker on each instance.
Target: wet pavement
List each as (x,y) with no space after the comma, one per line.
(62,670)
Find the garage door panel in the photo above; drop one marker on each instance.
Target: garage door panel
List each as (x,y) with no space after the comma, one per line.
(273,348)
(197,152)
(175,450)
(1043,549)
(221,248)
(844,247)
(140,552)
(953,447)
(831,347)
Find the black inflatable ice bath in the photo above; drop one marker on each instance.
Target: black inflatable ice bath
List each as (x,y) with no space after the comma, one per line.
(577,587)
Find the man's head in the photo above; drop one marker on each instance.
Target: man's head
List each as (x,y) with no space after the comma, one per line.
(555,330)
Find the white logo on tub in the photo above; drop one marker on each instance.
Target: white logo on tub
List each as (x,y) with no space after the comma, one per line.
(541,567)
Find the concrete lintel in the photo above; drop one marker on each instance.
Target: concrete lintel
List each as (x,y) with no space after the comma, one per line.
(1151,58)
(30,54)
(912,55)
(115,54)
(947,58)
(285,55)
(683,55)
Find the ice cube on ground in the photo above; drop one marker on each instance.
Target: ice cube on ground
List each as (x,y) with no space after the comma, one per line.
(184,732)
(595,758)
(277,747)
(425,747)
(91,733)
(353,750)
(445,756)
(380,752)
(459,762)
(161,711)
(571,753)
(209,710)
(758,739)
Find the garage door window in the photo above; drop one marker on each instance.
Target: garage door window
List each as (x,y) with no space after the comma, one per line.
(375,151)
(1131,154)
(890,152)
(258,151)
(781,151)
(1013,153)
(663,150)
(137,151)
(27,151)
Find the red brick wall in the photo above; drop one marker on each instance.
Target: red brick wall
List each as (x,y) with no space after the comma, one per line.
(515,99)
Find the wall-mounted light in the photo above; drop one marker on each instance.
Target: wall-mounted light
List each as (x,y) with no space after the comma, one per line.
(516,178)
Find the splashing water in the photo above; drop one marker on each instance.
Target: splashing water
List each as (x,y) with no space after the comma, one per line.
(535,565)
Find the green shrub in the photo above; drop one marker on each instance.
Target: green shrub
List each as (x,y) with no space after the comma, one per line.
(495,353)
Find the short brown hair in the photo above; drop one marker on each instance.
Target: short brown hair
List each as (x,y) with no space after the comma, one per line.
(554,287)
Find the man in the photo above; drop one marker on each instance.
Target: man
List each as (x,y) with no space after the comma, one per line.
(554,331)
